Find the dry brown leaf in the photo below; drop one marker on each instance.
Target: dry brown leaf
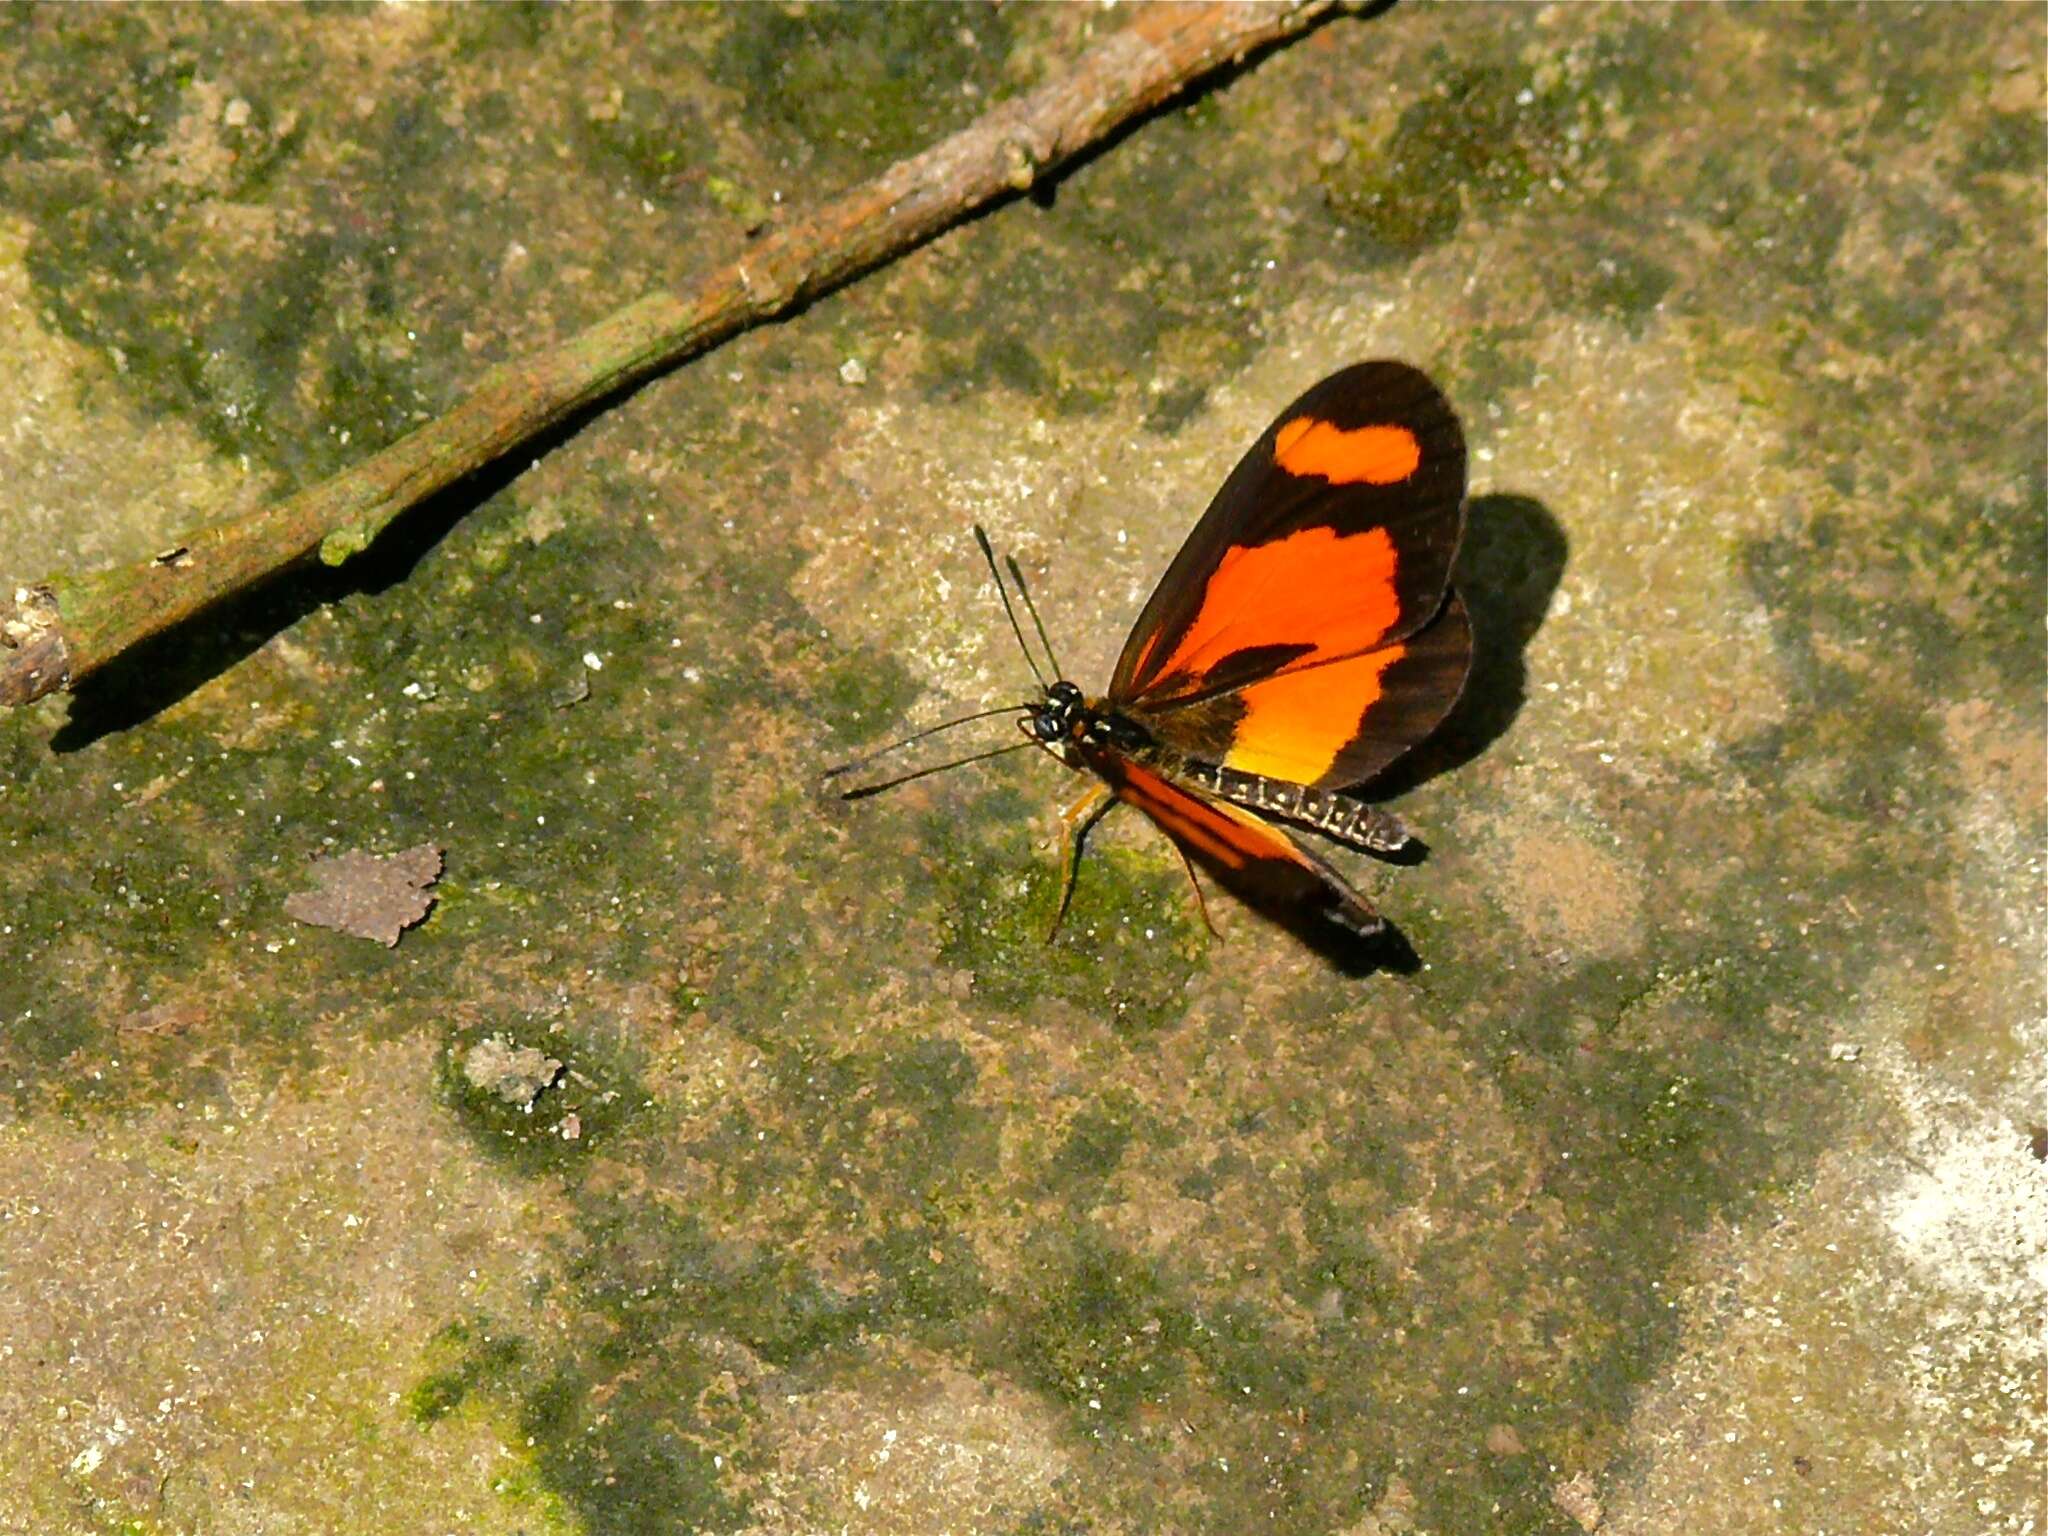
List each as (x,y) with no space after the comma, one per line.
(373,896)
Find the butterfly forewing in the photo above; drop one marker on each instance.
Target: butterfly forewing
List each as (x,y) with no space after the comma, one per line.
(1333,537)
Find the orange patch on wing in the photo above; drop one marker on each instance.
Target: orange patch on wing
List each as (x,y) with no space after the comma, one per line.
(1295,724)
(1316,588)
(1368,455)
(1203,828)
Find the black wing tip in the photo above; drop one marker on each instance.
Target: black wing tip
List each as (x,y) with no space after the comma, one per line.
(1366,925)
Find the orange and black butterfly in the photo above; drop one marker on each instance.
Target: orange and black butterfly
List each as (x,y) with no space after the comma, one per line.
(1305,636)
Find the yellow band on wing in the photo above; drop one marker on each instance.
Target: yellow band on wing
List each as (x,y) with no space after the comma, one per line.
(1295,724)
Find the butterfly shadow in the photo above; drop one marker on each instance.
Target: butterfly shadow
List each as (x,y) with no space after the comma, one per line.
(1311,920)
(1352,954)
(1509,565)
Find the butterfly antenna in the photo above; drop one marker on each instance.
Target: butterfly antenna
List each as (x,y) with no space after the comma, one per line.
(959,762)
(855,764)
(1032,608)
(988,553)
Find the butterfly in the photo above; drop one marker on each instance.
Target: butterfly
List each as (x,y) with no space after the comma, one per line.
(1305,636)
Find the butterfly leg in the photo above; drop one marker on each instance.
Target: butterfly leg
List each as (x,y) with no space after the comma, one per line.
(1079,820)
(1201,901)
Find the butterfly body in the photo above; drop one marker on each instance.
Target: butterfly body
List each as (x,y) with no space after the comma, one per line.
(1305,636)
(1085,732)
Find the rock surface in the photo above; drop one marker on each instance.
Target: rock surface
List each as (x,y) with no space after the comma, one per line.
(1690,1182)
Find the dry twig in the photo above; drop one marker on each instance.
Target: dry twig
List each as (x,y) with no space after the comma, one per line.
(58,632)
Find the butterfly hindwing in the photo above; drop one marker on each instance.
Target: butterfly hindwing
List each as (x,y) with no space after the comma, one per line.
(1247,855)
(1332,538)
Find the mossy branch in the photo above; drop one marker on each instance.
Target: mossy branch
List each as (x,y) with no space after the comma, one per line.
(61,630)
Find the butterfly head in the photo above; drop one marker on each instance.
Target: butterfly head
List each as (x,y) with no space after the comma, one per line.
(1068,716)
(1063,715)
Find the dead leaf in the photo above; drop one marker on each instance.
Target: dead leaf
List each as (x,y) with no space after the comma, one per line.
(373,896)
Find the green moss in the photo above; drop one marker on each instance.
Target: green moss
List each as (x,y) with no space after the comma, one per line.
(1624,285)
(1175,407)
(652,136)
(1096,1140)
(2006,143)
(1246,1359)
(1665,1116)
(1908,305)
(930,1072)
(1883,753)
(436,1397)
(486,30)
(1009,361)
(633,1458)
(654,1271)
(475,1358)
(201,332)
(1190,297)
(566,1122)
(1499,130)
(1341,1273)
(1124,953)
(748,208)
(132,110)
(891,1140)
(863,85)
(858,696)
(2008,583)
(934,1285)
(1784,215)
(1495,362)
(1583,1118)
(1485,135)
(1098,1329)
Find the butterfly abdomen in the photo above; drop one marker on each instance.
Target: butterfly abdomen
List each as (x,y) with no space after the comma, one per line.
(1334,815)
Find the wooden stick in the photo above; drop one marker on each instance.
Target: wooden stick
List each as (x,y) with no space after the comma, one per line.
(61,630)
